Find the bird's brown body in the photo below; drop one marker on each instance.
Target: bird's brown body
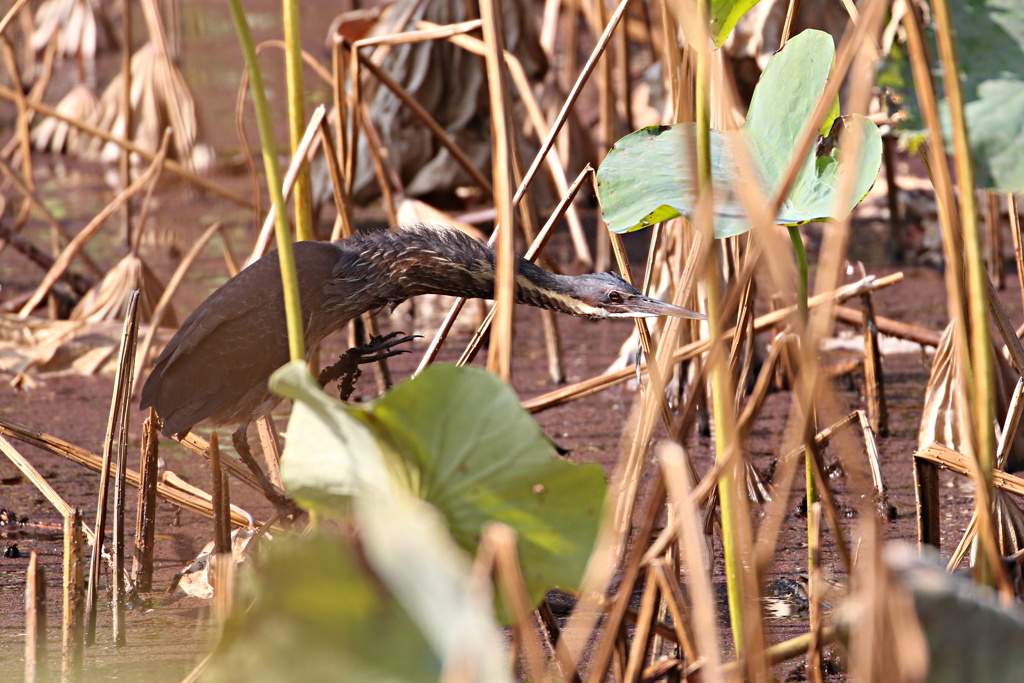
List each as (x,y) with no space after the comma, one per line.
(216,367)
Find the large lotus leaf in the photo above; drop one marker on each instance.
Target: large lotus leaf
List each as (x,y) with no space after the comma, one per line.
(408,545)
(475,454)
(309,611)
(650,175)
(457,438)
(400,608)
(330,455)
(724,15)
(990,47)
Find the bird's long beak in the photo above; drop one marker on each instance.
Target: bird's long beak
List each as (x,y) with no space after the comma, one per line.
(646,307)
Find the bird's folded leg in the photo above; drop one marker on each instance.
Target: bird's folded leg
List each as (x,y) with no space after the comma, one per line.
(346,369)
(284,504)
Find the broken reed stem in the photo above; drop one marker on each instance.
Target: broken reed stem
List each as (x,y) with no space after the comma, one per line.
(145,516)
(874,379)
(221,525)
(1018,248)
(123,387)
(270,443)
(993,223)
(35,620)
(73,622)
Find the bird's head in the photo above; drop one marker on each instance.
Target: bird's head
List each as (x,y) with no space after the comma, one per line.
(607,295)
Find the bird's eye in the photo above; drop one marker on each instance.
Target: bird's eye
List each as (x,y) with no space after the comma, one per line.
(615,297)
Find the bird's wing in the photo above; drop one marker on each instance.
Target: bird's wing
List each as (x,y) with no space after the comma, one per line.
(225,351)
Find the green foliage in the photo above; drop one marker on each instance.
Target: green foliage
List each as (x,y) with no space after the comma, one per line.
(990,47)
(318,613)
(724,15)
(650,176)
(458,439)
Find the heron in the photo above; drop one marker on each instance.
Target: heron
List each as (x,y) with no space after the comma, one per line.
(216,367)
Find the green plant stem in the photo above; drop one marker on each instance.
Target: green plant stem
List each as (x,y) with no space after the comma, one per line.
(296,115)
(801,304)
(720,380)
(289,278)
(801,272)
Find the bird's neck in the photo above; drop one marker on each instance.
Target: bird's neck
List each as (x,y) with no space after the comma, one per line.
(391,266)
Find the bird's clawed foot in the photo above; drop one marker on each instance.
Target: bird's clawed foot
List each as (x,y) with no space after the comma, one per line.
(346,369)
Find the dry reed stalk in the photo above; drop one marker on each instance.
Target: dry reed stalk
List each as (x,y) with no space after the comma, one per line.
(538,159)
(630,572)
(11,13)
(890,327)
(429,121)
(980,349)
(502,541)
(874,460)
(173,166)
(22,125)
(270,441)
(672,460)
(892,196)
(643,631)
(73,622)
(76,245)
(874,379)
(499,359)
(585,388)
(946,458)
(995,239)
(169,488)
(200,446)
(1015,234)
(540,126)
(298,162)
(344,222)
(221,521)
(125,105)
(926,498)
(222,575)
(115,424)
(382,45)
(387,177)
(814,592)
(949,219)
(532,253)
(928,503)
(672,594)
(35,621)
(1010,424)
(145,517)
(172,287)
